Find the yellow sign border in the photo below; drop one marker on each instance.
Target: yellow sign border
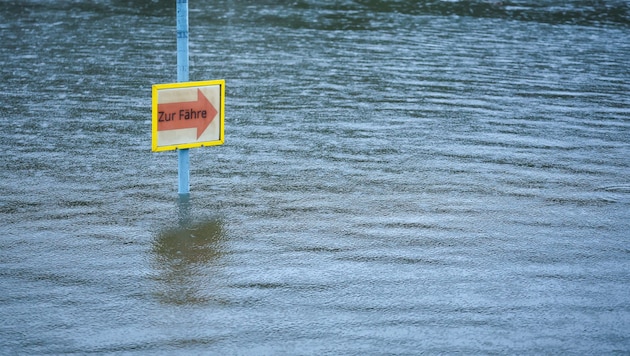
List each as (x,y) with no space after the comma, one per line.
(154,114)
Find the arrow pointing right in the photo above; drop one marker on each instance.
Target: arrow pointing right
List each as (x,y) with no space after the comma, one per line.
(187,114)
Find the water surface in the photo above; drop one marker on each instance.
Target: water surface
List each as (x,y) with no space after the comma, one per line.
(398,177)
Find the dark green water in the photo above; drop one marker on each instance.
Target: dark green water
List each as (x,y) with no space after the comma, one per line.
(398,177)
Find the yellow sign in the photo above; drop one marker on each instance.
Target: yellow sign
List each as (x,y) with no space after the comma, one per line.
(187,115)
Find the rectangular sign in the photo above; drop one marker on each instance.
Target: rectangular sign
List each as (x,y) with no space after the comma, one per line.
(187,115)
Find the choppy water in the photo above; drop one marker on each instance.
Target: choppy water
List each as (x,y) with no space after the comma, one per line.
(398,177)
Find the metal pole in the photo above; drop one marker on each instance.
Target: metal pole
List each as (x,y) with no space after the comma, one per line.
(183,161)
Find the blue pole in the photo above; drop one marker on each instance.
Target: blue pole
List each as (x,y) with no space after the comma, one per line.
(183,172)
(183,161)
(182,40)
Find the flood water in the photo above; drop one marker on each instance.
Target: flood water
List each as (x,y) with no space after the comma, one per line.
(398,177)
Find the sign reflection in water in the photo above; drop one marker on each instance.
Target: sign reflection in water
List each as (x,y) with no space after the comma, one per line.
(186,257)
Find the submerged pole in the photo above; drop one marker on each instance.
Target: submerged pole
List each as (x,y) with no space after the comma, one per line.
(183,159)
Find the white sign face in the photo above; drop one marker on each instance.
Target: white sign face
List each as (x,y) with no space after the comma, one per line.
(187,115)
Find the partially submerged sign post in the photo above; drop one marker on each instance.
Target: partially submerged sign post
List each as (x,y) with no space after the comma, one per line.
(186,114)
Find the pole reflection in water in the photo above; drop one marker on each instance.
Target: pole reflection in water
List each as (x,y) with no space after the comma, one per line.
(186,258)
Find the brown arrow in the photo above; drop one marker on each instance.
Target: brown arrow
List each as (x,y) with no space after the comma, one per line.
(186,115)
